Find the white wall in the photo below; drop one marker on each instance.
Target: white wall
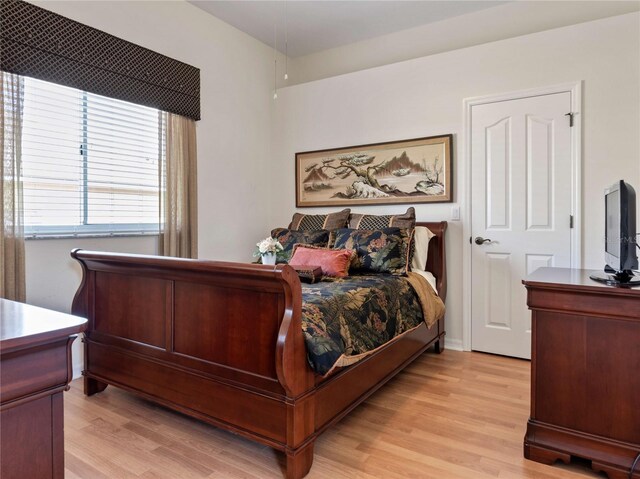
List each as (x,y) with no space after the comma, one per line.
(504,21)
(423,97)
(233,136)
(53,277)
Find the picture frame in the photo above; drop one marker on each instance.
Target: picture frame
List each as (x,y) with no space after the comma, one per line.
(418,170)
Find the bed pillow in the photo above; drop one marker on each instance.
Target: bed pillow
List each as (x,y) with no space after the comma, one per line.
(373,222)
(289,238)
(329,221)
(358,221)
(334,263)
(383,250)
(421,238)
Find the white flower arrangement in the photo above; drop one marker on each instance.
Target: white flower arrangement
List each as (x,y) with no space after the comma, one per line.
(268,245)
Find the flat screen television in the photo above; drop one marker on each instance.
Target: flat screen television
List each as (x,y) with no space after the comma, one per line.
(621,254)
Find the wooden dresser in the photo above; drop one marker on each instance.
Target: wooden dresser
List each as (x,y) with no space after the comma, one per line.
(35,369)
(585,372)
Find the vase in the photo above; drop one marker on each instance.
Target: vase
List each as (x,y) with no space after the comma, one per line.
(268,258)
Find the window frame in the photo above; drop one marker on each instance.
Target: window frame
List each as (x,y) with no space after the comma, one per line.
(95,230)
(105,230)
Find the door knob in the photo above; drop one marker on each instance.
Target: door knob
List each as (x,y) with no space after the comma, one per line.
(480,240)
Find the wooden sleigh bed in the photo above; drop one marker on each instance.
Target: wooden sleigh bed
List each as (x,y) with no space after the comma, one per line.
(147,319)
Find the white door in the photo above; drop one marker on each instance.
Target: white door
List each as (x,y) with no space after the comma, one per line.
(521,206)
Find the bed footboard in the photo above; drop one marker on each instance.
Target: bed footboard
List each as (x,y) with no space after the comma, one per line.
(219,341)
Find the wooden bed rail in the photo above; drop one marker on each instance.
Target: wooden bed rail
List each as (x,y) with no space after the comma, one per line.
(162,293)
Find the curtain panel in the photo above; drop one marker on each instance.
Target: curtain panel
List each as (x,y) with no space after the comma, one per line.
(179,212)
(12,261)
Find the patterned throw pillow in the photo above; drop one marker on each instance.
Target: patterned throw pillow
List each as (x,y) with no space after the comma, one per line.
(384,250)
(358,221)
(329,221)
(374,222)
(334,263)
(288,239)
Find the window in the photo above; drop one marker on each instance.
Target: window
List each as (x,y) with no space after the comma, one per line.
(90,164)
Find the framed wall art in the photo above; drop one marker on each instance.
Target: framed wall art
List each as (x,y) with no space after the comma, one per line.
(406,171)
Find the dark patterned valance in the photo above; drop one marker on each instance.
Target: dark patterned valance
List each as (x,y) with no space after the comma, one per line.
(41,44)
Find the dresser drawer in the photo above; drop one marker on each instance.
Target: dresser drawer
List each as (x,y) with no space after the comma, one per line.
(29,371)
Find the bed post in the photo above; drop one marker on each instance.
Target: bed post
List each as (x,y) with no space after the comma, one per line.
(438,346)
(297,379)
(299,462)
(301,436)
(80,307)
(437,264)
(93,386)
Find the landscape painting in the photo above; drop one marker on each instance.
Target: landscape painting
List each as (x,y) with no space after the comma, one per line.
(407,171)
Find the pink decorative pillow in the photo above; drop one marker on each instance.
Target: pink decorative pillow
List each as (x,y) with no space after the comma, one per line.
(333,262)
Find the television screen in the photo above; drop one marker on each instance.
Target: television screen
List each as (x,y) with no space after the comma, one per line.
(620,237)
(613,224)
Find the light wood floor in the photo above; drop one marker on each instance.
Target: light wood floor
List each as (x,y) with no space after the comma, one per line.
(454,415)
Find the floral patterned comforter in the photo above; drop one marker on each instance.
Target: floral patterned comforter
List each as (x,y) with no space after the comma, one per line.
(345,320)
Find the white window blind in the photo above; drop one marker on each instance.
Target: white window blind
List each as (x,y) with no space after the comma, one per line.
(90,164)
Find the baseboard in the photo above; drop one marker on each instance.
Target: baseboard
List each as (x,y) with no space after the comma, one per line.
(453,344)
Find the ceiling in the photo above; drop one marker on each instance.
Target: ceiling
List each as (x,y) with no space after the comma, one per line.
(313,26)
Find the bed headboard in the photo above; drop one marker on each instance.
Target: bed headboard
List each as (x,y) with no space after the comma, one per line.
(436,259)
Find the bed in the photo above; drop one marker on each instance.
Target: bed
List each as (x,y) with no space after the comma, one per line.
(148,317)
